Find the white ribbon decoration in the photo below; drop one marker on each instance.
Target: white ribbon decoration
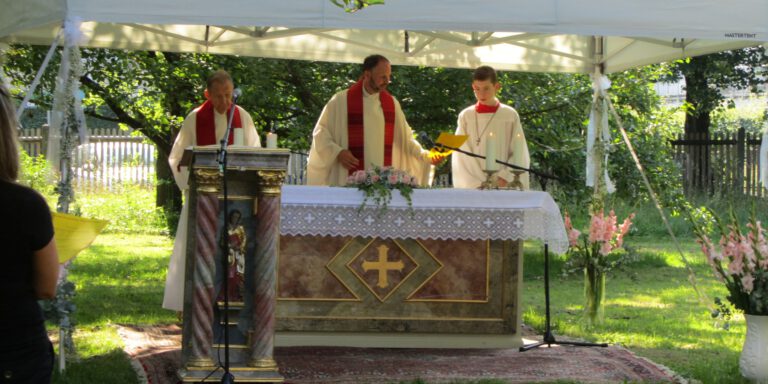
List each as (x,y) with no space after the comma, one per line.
(67,93)
(598,122)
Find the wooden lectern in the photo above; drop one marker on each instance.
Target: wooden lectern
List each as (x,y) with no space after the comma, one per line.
(251,226)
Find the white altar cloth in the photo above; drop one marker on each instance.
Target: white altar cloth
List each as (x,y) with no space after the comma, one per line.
(437,214)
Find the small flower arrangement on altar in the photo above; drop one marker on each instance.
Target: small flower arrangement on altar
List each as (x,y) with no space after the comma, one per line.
(740,261)
(377,184)
(591,253)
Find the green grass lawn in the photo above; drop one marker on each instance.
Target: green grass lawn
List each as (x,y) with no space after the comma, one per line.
(651,309)
(120,280)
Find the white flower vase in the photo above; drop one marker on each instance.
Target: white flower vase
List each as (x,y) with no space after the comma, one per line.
(753,362)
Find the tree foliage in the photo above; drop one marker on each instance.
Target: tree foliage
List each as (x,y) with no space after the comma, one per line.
(707,76)
(152,92)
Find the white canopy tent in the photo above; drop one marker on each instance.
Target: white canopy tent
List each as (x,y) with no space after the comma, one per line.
(522,35)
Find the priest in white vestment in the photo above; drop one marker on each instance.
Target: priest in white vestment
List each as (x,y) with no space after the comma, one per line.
(364,126)
(205,125)
(489,125)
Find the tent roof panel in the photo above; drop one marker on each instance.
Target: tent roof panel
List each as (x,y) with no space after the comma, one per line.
(528,35)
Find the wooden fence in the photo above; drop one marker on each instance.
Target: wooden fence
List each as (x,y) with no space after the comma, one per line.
(112,157)
(720,163)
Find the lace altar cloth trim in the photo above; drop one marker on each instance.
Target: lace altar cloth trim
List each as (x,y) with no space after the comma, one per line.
(437,214)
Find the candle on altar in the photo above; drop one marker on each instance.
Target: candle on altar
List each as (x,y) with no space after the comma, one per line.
(490,153)
(271,140)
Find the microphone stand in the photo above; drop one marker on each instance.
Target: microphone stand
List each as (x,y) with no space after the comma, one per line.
(226,377)
(513,166)
(548,337)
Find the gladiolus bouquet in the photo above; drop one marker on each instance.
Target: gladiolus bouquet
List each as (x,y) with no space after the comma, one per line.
(740,261)
(590,253)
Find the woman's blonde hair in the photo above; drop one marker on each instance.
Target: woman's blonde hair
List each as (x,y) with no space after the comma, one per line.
(9,150)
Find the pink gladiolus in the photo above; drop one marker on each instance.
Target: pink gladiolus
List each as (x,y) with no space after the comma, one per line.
(573,237)
(606,248)
(626,224)
(573,234)
(406,179)
(595,227)
(393,178)
(609,227)
(712,256)
(709,250)
(747,282)
(736,266)
(746,251)
(623,230)
(375,178)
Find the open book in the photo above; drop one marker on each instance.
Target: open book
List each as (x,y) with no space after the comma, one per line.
(74,233)
(446,141)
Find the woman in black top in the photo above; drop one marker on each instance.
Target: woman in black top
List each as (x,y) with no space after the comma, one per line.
(29,265)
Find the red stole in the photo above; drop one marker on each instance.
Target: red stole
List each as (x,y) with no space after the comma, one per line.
(205,125)
(355,134)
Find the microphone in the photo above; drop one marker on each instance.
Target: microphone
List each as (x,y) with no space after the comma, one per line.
(222,153)
(424,138)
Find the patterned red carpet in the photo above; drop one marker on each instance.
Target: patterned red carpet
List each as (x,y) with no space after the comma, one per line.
(156,354)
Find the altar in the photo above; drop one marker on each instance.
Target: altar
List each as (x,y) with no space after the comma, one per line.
(444,272)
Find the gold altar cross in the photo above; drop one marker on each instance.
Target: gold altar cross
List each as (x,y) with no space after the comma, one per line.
(383,266)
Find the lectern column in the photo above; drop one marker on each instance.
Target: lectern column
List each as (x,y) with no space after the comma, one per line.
(268,232)
(208,182)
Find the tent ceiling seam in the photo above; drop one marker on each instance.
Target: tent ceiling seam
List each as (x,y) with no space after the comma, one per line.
(659,42)
(260,31)
(366,45)
(485,37)
(607,57)
(551,51)
(419,47)
(446,37)
(521,37)
(164,33)
(217,37)
(485,40)
(265,34)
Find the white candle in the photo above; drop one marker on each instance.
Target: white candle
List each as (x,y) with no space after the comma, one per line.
(271,140)
(238,138)
(490,153)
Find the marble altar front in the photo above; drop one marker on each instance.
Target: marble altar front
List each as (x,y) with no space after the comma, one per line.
(446,273)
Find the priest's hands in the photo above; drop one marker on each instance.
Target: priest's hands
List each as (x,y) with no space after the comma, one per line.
(347,159)
(437,159)
(501,182)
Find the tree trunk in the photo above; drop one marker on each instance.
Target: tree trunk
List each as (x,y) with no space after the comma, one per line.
(697,123)
(168,194)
